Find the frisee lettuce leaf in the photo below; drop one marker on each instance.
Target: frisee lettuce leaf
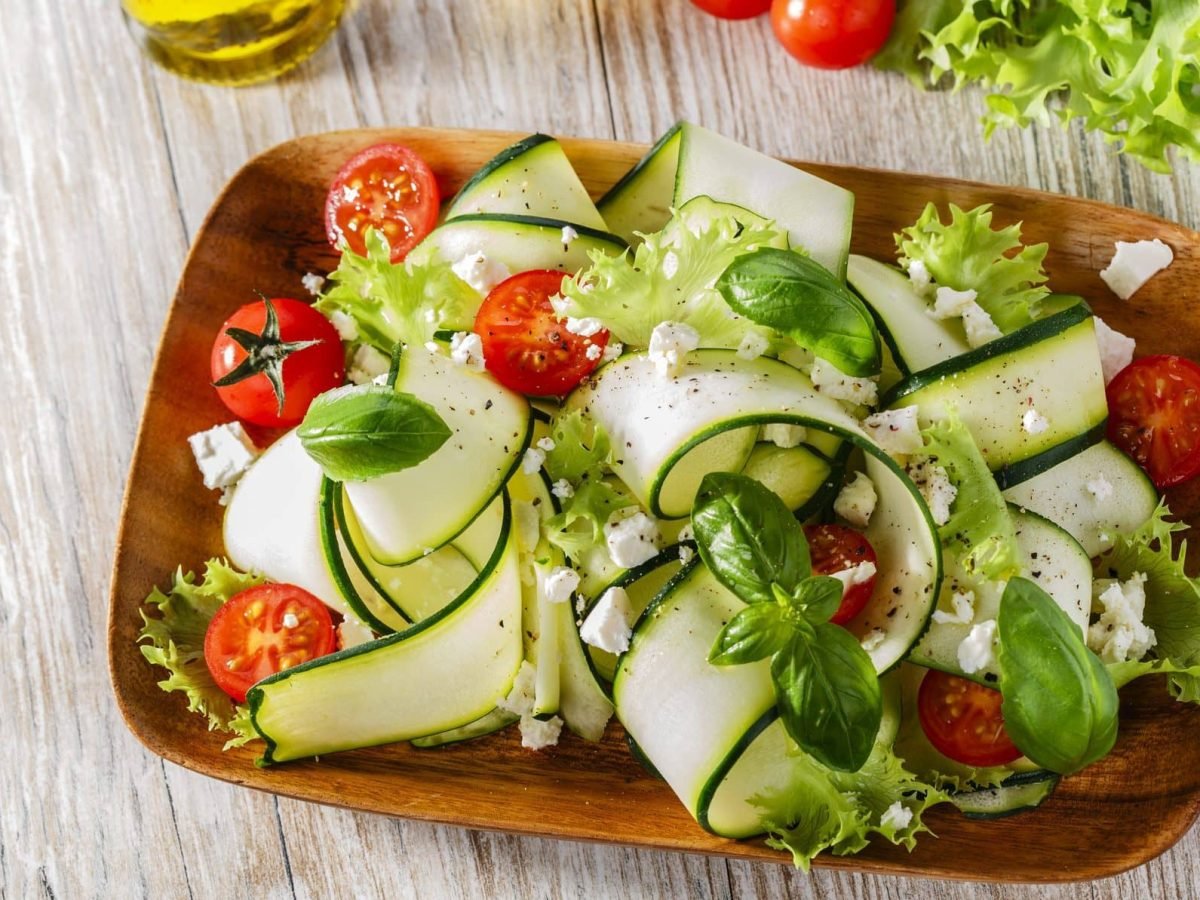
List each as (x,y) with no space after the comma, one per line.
(1172,601)
(174,639)
(670,277)
(968,254)
(979,529)
(823,809)
(1126,68)
(404,302)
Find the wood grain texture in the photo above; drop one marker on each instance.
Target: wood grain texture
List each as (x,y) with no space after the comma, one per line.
(130,159)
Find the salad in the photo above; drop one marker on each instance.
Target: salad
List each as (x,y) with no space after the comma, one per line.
(834,539)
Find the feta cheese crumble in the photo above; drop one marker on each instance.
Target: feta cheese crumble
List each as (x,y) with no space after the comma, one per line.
(568,234)
(344,325)
(977,650)
(1116,349)
(613,351)
(223,454)
(538,734)
(519,700)
(559,584)
(585,327)
(670,343)
(480,272)
(594,351)
(964,609)
(896,816)
(546,443)
(351,633)
(1135,263)
(313,283)
(936,487)
(753,345)
(873,639)
(1100,488)
(856,501)
(367,364)
(949,303)
(1033,422)
(833,382)
(1120,634)
(855,575)
(466,349)
(562,489)
(532,460)
(979,326)
(896,431)
(609,625)
(631,539)
(686,554)
(783,435)
(919,277)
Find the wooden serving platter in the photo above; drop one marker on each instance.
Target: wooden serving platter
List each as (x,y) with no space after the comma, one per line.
(265,231)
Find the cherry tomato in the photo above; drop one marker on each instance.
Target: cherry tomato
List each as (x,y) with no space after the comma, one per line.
(525,345)
(733,9)
(1154,416)
(836,548)
(272,357)
(832,34)
(264,630)
(963,720)
(386,187)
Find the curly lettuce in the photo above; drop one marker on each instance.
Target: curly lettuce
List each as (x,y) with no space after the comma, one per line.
(1172,602)
(174,640)
(968,254)
(824,809)
(670,277)
(979,529)
(406,302)
(1127,69)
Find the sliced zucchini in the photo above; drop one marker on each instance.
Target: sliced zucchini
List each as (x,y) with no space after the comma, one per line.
(1061,494)
(533,177)
(916,340)
(795,474)
(816,214)
(641,200)
(407,685)
(519,243)
(1017,794)
(409,514)
(494,721)
(1049,556)
(993,387)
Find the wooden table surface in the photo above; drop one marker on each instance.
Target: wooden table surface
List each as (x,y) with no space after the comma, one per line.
(107,167)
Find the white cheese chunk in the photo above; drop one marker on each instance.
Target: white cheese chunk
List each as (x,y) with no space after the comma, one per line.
(977,650)
(519,700)
(833,382)
(949,303)
(537,734)
(223,454)
(964,609)
(609,625)
(1033,422)
(546,443)
(979,326)
(1100,488)
(367,364)
(562,489)
(594,351)
(532,460)
(873,639)
(1116,349)
(313,283)
(351,633)
(631,539)
(613,350)
(896,431)
(855,575)
(344,324)
(568,235)
(480,272)
(559,584)
(585,327)
(466,349)
(856,501)
(670,343)
(754,344)
(1135,263)
(919,277)
(686,554)
(936,487)
(783,435)
(1120,634)
(896,816)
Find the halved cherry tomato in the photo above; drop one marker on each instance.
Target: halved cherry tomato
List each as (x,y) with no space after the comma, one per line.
(733,9)
(264,630)
(525,345)
(271,358)
(963,720)
(387,187)
(1154,416)
(832,34)
(836,548)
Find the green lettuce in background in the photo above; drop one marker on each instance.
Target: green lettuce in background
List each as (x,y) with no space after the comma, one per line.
(1129,69)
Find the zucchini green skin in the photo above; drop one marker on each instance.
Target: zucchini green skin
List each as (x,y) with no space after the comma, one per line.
(1017,794)
(631,176)
(704,801)
(628,213)
(497,720)
(503,158)
(538,222)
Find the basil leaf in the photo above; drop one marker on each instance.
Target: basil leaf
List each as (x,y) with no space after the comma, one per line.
(1060,704)
(818,598)
(753,634)
(360,432)
(800,298)
(829,697)
(748,538)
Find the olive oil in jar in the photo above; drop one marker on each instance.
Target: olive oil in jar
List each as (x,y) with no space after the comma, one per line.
(232,41)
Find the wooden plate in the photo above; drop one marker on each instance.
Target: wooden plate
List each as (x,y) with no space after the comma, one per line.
(265,231)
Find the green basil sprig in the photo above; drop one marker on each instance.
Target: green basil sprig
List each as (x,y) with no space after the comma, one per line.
(825,683)
(1060,703)
(800,298)
(359,432)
